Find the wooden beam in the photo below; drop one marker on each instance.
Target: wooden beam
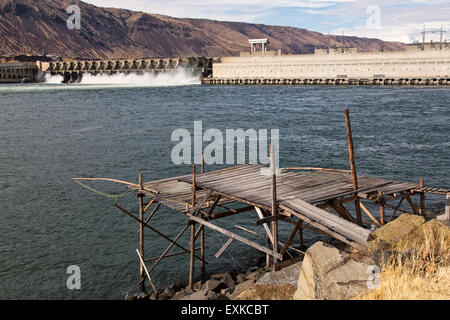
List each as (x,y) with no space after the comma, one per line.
(447,206)
(381,202)
(151,228)
(133,185)
(202,249)
(369,214)
(262,236)
(224,247)
(149,204)
(141,233)
(169,255)
(235,236)
(274,207)
(396,209)
(413,205)
(352,165)
(266,227)
(229,213)
(169,247)
(146,271)
(291,237)
(266,220)
(152,213)
(422,198)
(191,256)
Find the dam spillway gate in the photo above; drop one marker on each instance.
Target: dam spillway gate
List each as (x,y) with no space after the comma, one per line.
(73,70)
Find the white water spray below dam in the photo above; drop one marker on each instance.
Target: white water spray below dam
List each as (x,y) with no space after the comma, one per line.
(179,77)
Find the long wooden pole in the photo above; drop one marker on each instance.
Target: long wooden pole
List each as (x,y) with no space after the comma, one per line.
(422,198)
(353,166)
(192,256)
(234,236)
(202,249)
(192,240)
(381,201)
(447,206)
(274,207)
(141,233)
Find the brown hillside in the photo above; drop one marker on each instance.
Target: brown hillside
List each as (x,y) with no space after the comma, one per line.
(39,27)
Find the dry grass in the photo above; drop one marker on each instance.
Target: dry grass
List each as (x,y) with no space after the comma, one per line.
(421,274)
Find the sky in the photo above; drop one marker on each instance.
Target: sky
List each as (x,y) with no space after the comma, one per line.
(389,20)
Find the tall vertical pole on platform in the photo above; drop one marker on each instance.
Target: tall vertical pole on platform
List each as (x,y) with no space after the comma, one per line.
(202,231)
(353,166)
(192,240)
(141,232)
(274,205)
(422,197)
(381,202)
(447,206)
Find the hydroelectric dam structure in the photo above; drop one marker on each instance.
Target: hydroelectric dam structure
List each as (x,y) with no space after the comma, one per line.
(72,71)
(419,64)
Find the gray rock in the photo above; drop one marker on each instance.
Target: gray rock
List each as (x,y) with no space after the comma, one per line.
(170,291)
(328,273)
(289,275)
(241,287)
(199,295)
(212,285)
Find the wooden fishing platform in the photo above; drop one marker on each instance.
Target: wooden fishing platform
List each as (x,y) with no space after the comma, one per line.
(314,199)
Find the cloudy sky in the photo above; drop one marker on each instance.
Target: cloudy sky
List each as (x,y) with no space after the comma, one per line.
(395,20)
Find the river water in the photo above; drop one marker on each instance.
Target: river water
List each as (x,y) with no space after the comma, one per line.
(51,133)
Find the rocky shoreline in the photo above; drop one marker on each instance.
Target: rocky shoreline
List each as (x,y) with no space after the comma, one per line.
(333,270)
(232,285)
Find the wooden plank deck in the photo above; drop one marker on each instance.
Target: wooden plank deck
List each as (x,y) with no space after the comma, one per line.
(298,193)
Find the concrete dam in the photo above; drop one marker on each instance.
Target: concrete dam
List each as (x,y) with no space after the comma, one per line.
(72,71)
(419,64)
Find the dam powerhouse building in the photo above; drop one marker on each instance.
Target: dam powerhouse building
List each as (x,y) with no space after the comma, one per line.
(419,64)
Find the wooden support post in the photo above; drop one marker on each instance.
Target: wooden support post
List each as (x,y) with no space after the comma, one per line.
(396,209)
(381,202)
(202,249)
(447,206)
(413,205)
(267,267)
(300,234)
(192,241)
(192,256)
(274,207)
(203,164)
(141,234)
(146,271)
(353,166)
(193,185)
(164,254)
(422,198)
(291,237)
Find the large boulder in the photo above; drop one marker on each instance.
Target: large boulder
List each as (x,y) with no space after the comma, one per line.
(330,274)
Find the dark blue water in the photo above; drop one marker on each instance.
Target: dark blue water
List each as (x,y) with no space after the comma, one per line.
(50,134)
